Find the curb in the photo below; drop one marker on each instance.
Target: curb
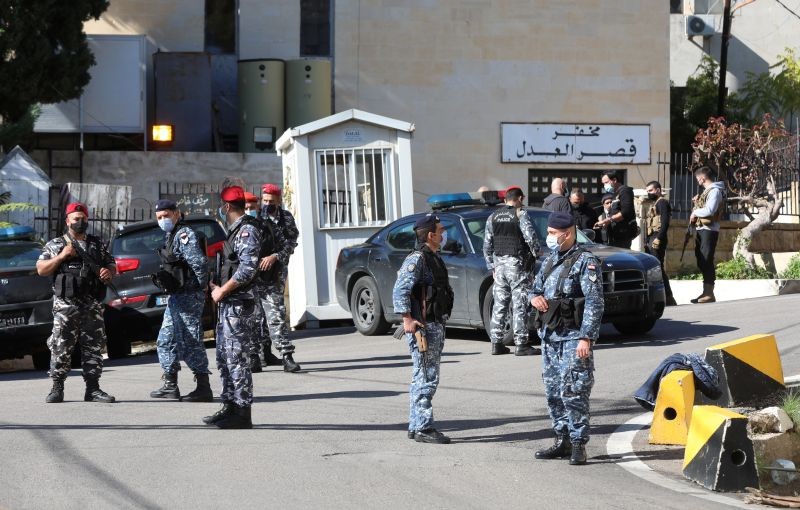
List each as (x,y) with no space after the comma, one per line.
(620,444)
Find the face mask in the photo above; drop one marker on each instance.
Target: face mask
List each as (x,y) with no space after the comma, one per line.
(166,224)
(552,242)
(652,196)
(444,239)
(222,215)
(252,213)
(271,208)
(79,227)
(608,188)
(575,206)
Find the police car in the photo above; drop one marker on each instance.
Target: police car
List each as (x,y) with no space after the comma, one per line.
(365,273)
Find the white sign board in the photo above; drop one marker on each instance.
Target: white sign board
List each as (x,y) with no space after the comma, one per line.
(575,143)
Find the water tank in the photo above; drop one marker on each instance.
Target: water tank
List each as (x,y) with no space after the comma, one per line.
(308,91)
(261,83)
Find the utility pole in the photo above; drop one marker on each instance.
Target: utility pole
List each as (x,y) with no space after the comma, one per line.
(723,57)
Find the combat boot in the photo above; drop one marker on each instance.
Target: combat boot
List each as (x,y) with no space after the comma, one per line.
(255,364)
(56,394)
(559,449)
(499,348)
(170,388)
(270,359)
(239,418)
(526,350)
(578,457)
(94,393)
(224,412)
(288,363)
(203,391)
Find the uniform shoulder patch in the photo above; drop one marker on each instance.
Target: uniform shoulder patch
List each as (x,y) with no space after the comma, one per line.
(184,238)
(245,234)
(411,267)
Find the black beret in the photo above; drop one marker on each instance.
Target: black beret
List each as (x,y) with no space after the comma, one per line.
(607,196)
(427,221)
(560,220)
(166,205)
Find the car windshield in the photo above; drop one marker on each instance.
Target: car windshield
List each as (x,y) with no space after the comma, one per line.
(476,227)
(139,242)
(19,255)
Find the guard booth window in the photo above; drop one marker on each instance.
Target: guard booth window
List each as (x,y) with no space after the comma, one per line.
(352,187)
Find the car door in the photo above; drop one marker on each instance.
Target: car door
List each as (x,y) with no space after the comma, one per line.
(456,257)
(386,257)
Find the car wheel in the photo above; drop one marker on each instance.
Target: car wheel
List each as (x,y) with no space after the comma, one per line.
(486,315)
(41,360)
(635,328)
(366,308)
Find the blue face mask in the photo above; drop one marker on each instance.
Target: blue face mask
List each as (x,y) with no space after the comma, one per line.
(222,215)
(166,224)
(444,239)
(252,213)
(608,188)
(552,242)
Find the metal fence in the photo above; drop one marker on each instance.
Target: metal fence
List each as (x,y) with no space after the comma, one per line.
(102,222)
(683,185)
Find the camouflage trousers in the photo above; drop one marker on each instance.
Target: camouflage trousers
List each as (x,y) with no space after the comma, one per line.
(234,332)
(273,315)
(424,377)
(511,285)
(568,381)
(181,334)
(77,321)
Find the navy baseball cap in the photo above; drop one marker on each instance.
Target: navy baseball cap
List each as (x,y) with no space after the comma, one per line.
(427,221)
(166,205)
(560,220)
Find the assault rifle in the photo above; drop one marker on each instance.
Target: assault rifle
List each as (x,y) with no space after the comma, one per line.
(686,237)
(93,265)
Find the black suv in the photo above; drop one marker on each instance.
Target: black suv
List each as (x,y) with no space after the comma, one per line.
(134,249)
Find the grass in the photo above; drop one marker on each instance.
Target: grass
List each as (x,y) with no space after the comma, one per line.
(791,404)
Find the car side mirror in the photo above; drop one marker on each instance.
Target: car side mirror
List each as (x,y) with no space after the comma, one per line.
(589,233)
(453,247)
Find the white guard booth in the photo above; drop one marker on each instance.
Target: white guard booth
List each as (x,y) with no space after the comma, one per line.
(22,177)
(344,177)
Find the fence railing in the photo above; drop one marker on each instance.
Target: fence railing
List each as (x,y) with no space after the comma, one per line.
(102,222)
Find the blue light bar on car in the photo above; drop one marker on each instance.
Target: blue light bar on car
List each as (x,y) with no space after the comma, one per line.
(16,232)
(444,200)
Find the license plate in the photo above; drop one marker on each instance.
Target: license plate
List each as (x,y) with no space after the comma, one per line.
(15,318)
(161,300)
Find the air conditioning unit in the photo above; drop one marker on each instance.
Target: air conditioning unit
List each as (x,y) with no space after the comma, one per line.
(700,24)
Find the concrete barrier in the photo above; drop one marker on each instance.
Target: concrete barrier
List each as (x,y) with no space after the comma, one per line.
(719,455)
(673,410)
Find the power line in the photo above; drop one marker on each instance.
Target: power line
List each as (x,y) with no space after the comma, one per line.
(788,9)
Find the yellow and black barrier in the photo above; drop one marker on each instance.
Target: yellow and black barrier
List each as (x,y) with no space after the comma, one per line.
(749,370)
(719,455)
(673,409)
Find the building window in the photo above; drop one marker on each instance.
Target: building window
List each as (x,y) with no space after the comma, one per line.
(220,26)
(588,181)
(676,6)
(352,186)
(315,28)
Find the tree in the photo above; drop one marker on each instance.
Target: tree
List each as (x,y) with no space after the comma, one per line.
(777,93)
(749,161)
(44,58)
(7,206)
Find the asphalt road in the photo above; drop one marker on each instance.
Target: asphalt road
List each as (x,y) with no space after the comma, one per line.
(334,435)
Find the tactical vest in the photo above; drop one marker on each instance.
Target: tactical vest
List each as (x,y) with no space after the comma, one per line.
(562,311)
(653,218)
(173,270)
(75,279)
(230,263)
(508,238)
(701,202)
(437,298)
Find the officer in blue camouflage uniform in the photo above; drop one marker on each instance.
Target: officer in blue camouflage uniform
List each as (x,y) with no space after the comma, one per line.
(568,297)
(509,247)
(78,292)
(181,334)
(423,296)
(235,296)
(271,294)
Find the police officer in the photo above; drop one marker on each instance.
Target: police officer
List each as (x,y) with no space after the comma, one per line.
(509,247)
(568,297)
(272,299)
(260,351)
(423,296)
(235,297)
(602,228)
(622,219)
(184,276)
(658,218)
(709,207)
(80,265)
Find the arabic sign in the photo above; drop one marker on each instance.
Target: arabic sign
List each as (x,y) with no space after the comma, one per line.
(194,203)
(575,143)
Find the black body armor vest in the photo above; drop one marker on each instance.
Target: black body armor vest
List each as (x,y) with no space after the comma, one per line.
(76,279)
(508,238)
(437,298)
(173,272)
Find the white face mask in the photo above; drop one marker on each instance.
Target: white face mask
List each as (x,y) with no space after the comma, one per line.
(444,239)
(608,188)
(552,242)
(166,224)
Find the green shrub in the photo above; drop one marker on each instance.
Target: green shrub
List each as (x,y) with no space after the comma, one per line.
(791,404)
(687,273)
(737,269)
(792,271)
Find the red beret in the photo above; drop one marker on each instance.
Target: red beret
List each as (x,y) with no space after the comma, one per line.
(249,197)
(77,207)
(232,194)
(271,189)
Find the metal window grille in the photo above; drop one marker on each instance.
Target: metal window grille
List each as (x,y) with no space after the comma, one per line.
(353,187)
